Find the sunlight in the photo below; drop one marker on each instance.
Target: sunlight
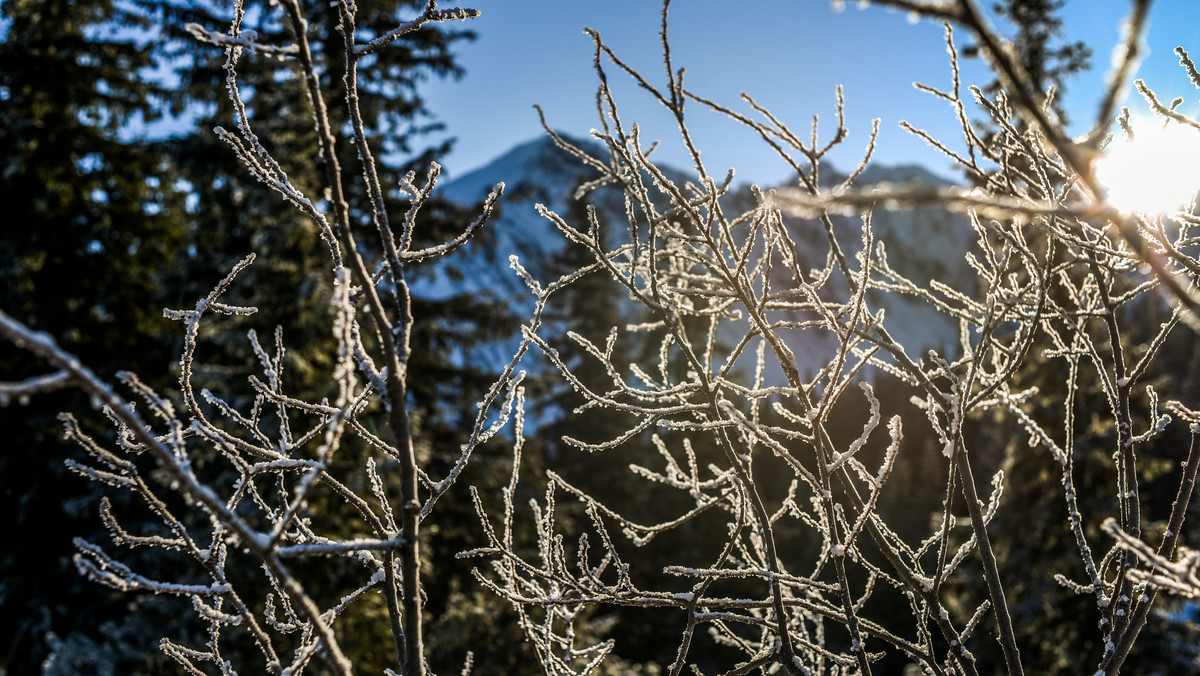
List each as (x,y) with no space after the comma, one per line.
(1157,171)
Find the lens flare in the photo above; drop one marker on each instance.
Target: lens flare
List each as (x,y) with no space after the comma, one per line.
(1156,171)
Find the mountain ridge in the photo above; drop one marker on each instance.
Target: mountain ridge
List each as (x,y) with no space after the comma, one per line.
(923,244)
(473,185)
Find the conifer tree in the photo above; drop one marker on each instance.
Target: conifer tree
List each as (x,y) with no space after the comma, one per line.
(1047,62)
(92,222)
(150,223)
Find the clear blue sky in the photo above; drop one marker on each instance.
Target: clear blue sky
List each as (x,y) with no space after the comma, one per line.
(788,54)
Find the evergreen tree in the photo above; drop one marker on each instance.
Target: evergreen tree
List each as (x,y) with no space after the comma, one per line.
(234,214)
(1046,62)
(92,223)
(111,230)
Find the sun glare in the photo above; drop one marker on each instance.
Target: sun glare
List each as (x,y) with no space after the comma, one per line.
(1157,171)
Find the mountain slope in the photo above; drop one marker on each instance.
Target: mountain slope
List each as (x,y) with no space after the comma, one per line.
(923,244)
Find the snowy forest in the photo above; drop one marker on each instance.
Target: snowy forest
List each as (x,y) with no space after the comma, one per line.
(278,399)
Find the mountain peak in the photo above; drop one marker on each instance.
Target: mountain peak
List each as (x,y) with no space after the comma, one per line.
(536,163)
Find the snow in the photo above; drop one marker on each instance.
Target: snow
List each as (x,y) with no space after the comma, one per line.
(923,244)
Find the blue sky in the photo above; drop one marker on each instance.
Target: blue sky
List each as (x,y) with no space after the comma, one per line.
(788,54)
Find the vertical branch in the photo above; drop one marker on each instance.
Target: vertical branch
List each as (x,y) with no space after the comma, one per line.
(404,612)
(1127,476)
(394,341)
(991,571)
(1114,658)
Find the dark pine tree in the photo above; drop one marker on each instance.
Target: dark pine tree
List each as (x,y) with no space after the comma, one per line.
(92,222)
(1046,61)
(104,231)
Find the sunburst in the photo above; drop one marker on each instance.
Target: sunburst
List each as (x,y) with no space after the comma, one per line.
(1156,171)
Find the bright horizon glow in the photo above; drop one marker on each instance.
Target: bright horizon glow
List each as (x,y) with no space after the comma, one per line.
(1157,171)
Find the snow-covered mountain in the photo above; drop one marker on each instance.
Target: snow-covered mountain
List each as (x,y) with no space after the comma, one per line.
(535,172)
(923,244)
